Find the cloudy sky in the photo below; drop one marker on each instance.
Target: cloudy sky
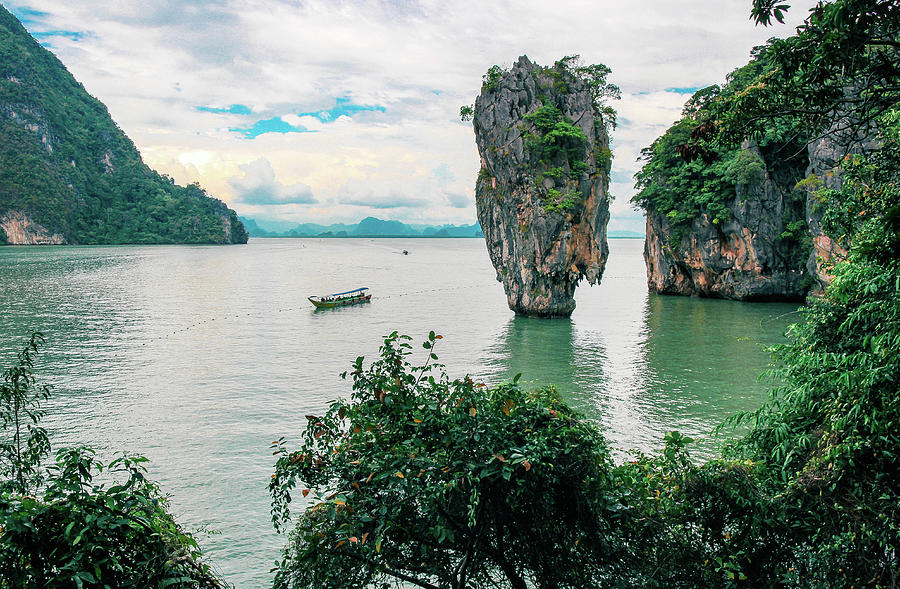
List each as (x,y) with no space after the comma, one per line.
(333,110)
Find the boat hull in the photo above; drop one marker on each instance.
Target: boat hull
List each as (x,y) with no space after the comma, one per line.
(320,304)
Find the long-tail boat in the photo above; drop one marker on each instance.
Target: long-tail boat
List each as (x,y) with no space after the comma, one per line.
(356,296)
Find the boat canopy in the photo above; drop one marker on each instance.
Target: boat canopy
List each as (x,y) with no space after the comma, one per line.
(337,294)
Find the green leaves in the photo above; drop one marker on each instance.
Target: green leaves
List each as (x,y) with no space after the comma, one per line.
(840,66)
(764,10)
(88,533)
(23,443)
(829,433)
(693,170)
(595,76)
(449,468)
(490,80)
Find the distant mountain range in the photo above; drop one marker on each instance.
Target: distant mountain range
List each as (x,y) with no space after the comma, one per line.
(368,227)
(372,227)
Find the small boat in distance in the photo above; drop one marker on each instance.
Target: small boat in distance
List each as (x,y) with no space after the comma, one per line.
(341,299)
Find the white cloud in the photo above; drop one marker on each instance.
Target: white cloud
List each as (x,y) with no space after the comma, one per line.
(257,186)
(154,63)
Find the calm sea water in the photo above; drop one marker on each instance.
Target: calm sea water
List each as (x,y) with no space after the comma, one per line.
(199,357)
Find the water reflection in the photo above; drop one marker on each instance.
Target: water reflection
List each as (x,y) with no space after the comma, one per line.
(704,358)
(642,364)
(542,350)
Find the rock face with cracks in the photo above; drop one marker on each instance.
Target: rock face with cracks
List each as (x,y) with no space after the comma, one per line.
(750,257)
(542,191)
(757,255)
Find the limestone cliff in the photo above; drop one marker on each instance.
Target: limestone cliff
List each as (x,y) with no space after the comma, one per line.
(825,155)
(17,229)
(756,250)
(743,223)
(542,191)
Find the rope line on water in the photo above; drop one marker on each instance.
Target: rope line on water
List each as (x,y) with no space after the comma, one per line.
(298,308)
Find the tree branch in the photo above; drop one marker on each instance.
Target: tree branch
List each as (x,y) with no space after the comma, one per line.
(389,571)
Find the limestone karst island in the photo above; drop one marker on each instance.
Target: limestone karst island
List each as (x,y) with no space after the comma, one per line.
(564,296)
(542,190)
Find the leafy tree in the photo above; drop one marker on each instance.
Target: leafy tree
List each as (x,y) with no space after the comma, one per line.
(491,80)
(682,190)
(843,63)
(444,483)
(23,443)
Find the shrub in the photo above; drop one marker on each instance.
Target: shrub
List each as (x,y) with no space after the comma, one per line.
(441,482)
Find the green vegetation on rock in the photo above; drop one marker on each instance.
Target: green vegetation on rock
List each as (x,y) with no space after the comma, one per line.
(681,190)
(66,165)
(557,143)
(682,185)
(556,138)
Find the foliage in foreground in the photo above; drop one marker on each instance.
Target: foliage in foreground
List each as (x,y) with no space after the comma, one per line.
(445,483)
(60,526)
(831,433)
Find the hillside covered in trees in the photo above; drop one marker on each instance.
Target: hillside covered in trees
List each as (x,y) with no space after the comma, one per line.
(68,174)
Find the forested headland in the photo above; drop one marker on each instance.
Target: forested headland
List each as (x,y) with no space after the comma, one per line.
(68,174)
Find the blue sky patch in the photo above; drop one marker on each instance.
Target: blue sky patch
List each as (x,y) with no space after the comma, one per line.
(618,177)
(444,174)
(690,90)
(73,35)
(342,107)
(33,19)
(273,125)
(28,16)
(234,109)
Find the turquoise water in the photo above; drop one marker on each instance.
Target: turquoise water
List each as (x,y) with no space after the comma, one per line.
(199,357)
